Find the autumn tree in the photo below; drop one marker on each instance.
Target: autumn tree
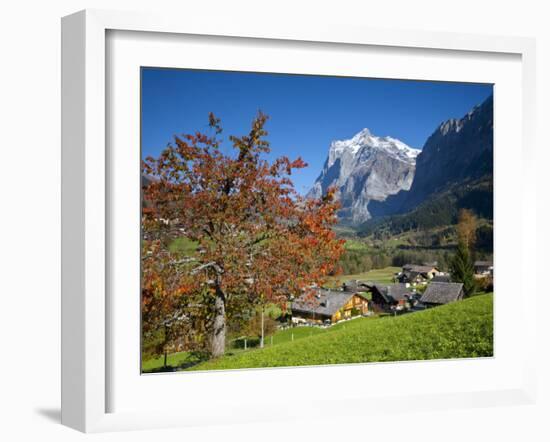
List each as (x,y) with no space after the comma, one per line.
(256,236)
(170,321)
(462,267)
(466,227)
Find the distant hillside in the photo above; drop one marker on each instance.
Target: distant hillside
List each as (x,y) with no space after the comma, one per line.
(439,210)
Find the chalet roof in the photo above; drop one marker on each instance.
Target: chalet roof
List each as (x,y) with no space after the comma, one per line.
(430,264)
(483,263)
(357,285)
(393,292)
(442,292)
(441,278)
(417,268)
(324,302)
(411,276)
(350,285)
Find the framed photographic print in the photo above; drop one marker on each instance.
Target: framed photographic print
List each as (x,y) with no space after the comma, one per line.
(252,216)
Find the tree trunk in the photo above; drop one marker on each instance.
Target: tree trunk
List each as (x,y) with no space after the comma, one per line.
(262,332)
(165,344)
(217,344)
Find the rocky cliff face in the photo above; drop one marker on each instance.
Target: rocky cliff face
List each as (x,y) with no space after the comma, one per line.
(459,150)
(365,168)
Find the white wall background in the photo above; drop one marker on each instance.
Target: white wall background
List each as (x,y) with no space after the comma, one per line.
(30,214)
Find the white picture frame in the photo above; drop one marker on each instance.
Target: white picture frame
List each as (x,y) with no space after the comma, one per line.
(85,201)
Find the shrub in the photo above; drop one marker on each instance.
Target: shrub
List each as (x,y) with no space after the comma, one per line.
(485,284)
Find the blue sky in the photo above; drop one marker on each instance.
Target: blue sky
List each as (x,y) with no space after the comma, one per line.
(306,112)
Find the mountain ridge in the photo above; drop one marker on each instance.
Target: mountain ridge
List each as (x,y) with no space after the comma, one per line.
(364,168)
(458,150)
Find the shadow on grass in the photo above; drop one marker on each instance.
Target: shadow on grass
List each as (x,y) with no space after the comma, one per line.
(173,368)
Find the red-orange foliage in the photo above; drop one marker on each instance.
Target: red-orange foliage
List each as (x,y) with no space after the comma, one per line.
(256,236)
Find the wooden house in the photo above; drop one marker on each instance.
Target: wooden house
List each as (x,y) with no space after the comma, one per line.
(427,270)
(388,297)
(439,293)
(329,305)
(356,285)
(483,268)
(416,274)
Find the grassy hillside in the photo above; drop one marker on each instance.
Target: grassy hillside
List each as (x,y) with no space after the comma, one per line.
(173,360)
(462,329)
(179,359)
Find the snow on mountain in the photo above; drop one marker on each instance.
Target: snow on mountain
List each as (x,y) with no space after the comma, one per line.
(364,140)
(364,168)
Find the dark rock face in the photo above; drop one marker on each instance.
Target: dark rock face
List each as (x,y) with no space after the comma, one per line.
(365,168)
(459,150)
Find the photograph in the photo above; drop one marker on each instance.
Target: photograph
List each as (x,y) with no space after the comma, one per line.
(305,220)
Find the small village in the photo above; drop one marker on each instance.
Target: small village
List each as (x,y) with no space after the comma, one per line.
(415,288)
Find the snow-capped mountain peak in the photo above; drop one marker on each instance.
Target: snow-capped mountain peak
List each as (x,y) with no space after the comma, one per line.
(363,168)
(366,141)
(361,136)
